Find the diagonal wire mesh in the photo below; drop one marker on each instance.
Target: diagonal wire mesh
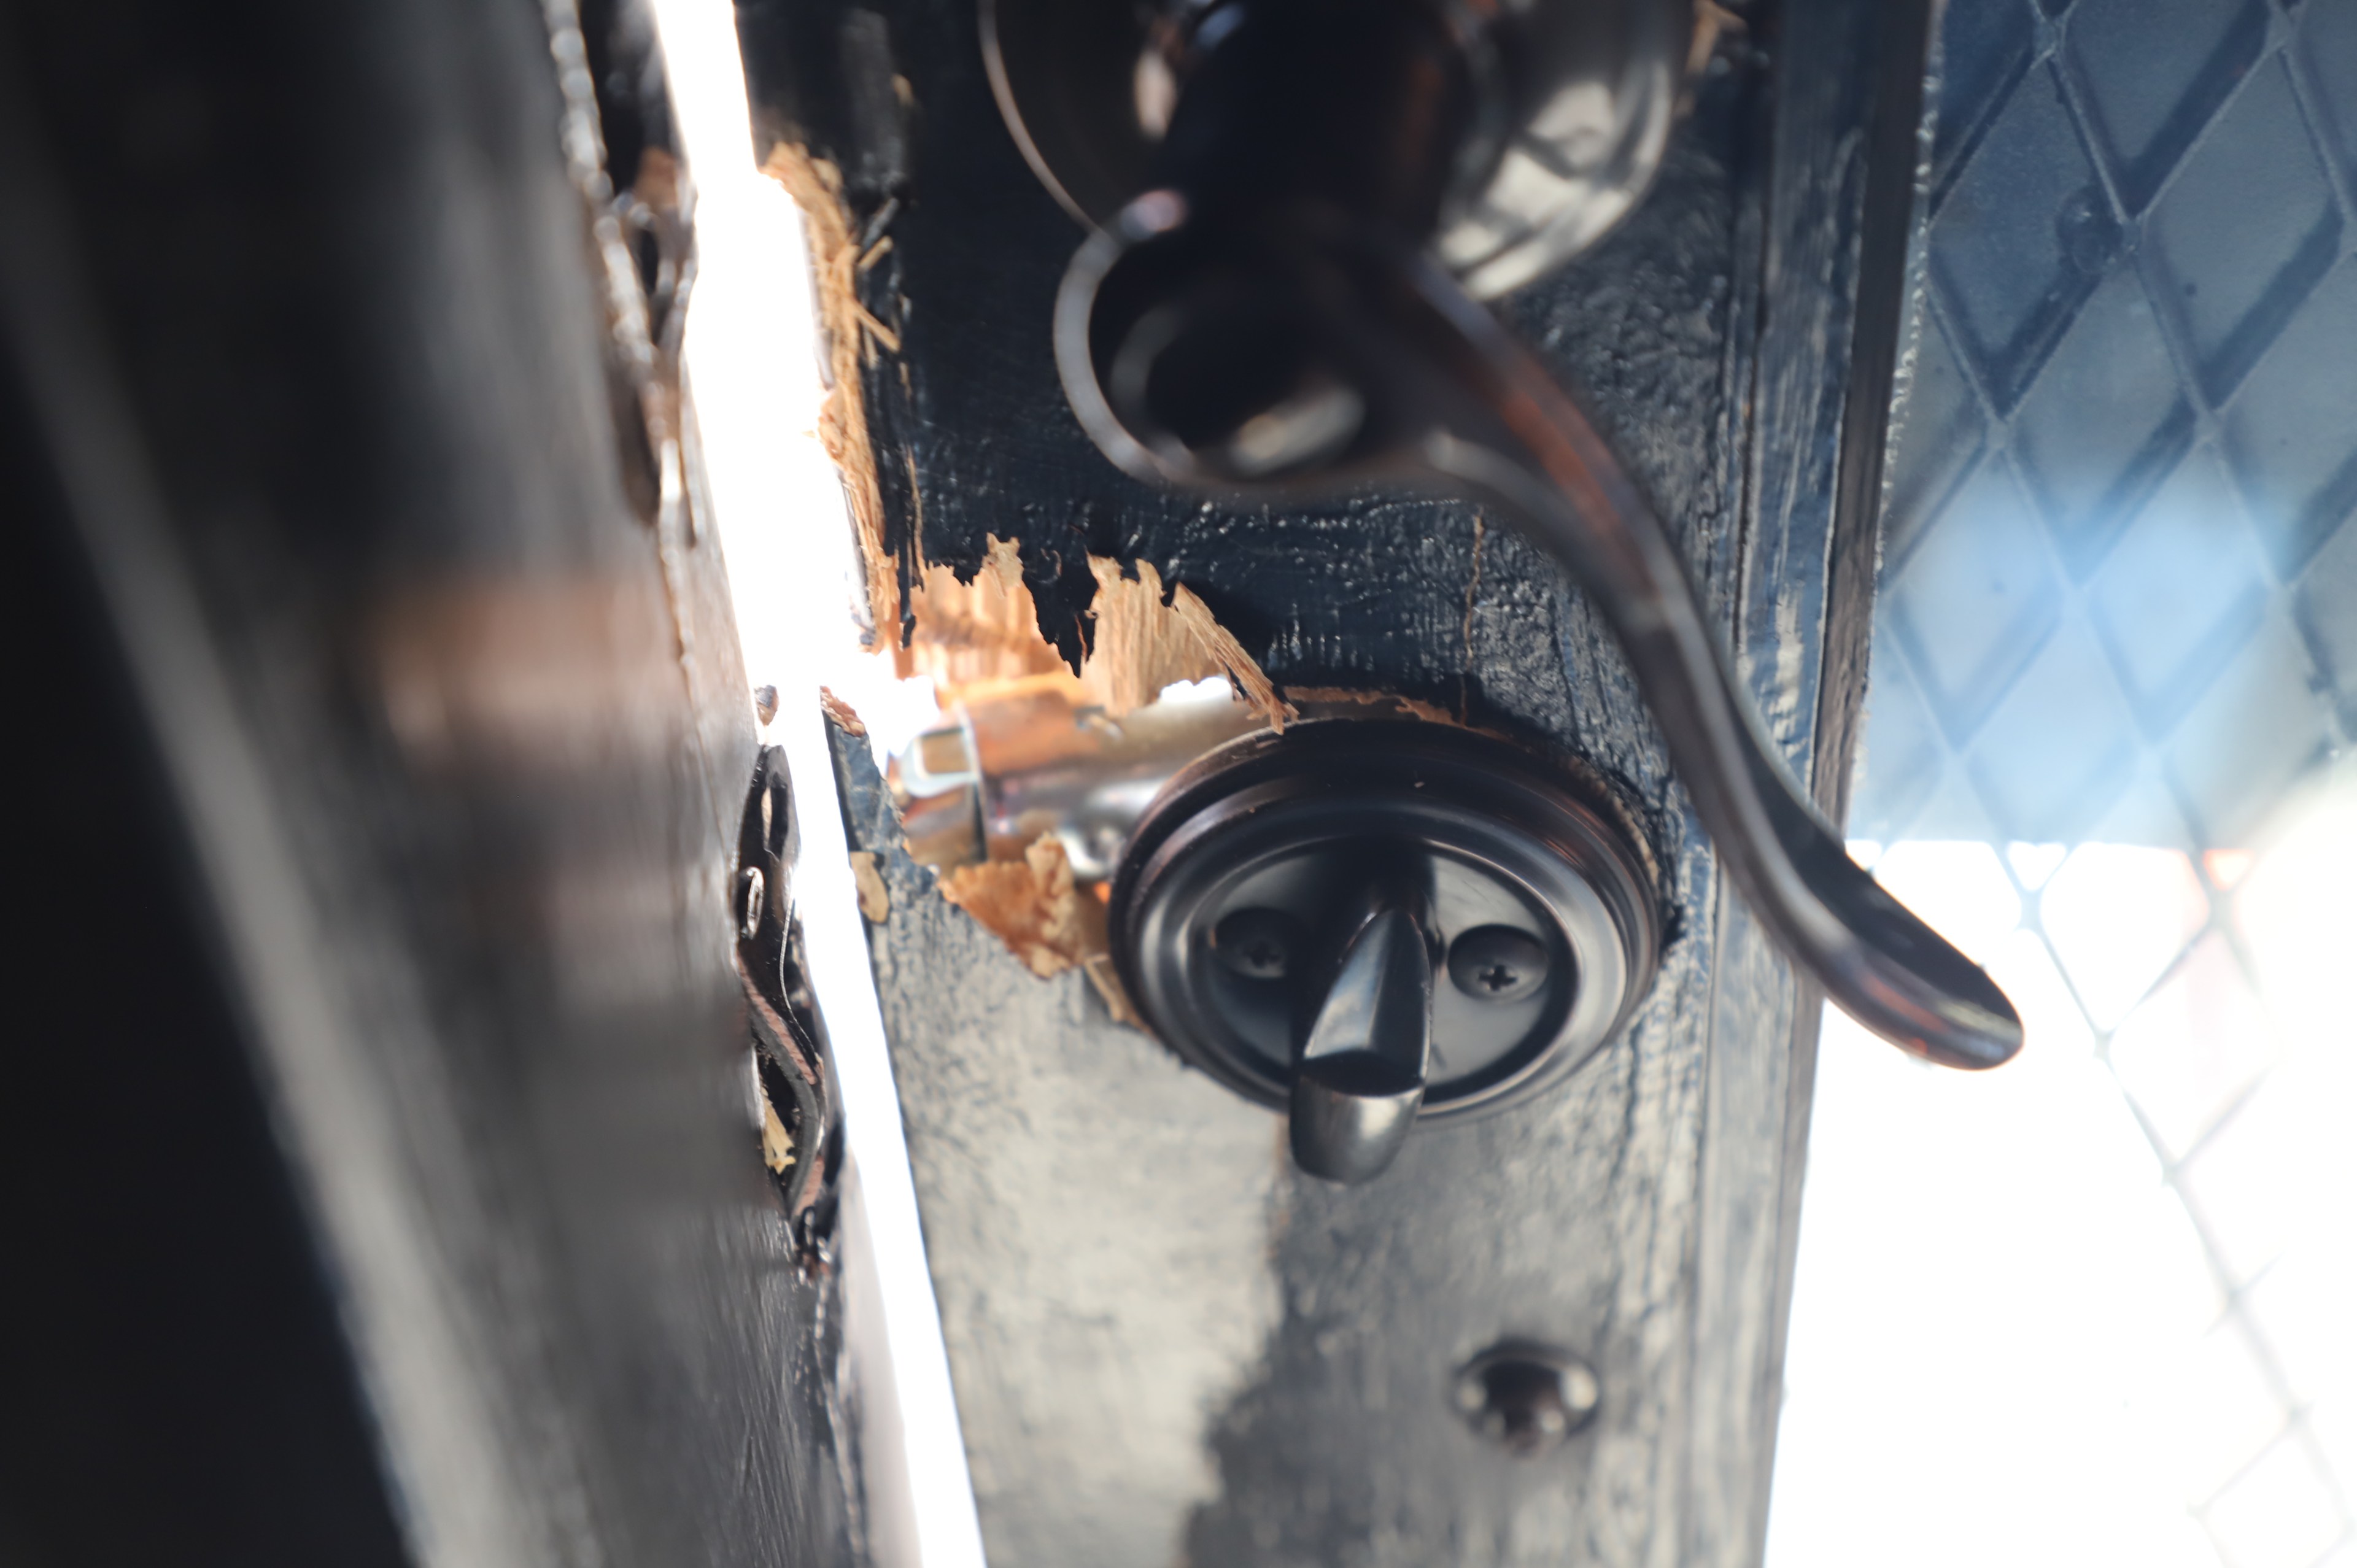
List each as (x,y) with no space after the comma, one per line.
(2115,683)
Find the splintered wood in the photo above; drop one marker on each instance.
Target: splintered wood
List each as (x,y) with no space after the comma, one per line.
(968,636)
(981,639)
(839,713)
(874,898)
(776,1143)
(1146,637)
(1032,905)
(1144,644)
(853,334)
(967,633)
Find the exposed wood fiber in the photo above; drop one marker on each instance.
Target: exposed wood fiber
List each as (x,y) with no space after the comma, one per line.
(1103,974)
(1031,905)
(874,901)
(851,333)
(840,713)
(970,632)
(1147,637)
(776,1143)
(1147,641)
(1387,705)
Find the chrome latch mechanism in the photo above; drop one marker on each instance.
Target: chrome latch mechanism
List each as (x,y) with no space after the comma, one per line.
(1297,205)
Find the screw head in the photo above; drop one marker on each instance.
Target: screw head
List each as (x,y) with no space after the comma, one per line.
(1498,964)
(1258,944)
(751,890)
(1526,1398)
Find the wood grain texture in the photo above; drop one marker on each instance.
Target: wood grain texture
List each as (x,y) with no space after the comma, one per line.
(1635,1215)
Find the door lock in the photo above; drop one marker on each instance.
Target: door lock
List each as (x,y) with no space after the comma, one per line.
(1369,923)
(1371,919)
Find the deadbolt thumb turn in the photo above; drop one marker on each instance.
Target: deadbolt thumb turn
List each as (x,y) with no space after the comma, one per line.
(1372,923)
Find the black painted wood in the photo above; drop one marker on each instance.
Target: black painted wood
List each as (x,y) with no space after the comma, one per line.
(430,1178)
(1168,1345)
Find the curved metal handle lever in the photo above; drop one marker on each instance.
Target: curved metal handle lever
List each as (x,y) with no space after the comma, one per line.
(1360,1074)
(1303,350)
(1542,464)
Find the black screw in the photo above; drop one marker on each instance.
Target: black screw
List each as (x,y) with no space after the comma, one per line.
(1258,944)
(1498,964)
(1526,1398)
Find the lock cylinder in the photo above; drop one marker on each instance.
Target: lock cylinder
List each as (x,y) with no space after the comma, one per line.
(1370,925)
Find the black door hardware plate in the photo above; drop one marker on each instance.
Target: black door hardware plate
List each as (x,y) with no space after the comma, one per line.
(1541,916)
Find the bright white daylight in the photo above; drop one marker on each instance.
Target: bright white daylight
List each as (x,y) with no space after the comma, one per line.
(2097,1306)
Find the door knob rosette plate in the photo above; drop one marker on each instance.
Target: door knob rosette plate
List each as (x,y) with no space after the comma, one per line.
(1266,846)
